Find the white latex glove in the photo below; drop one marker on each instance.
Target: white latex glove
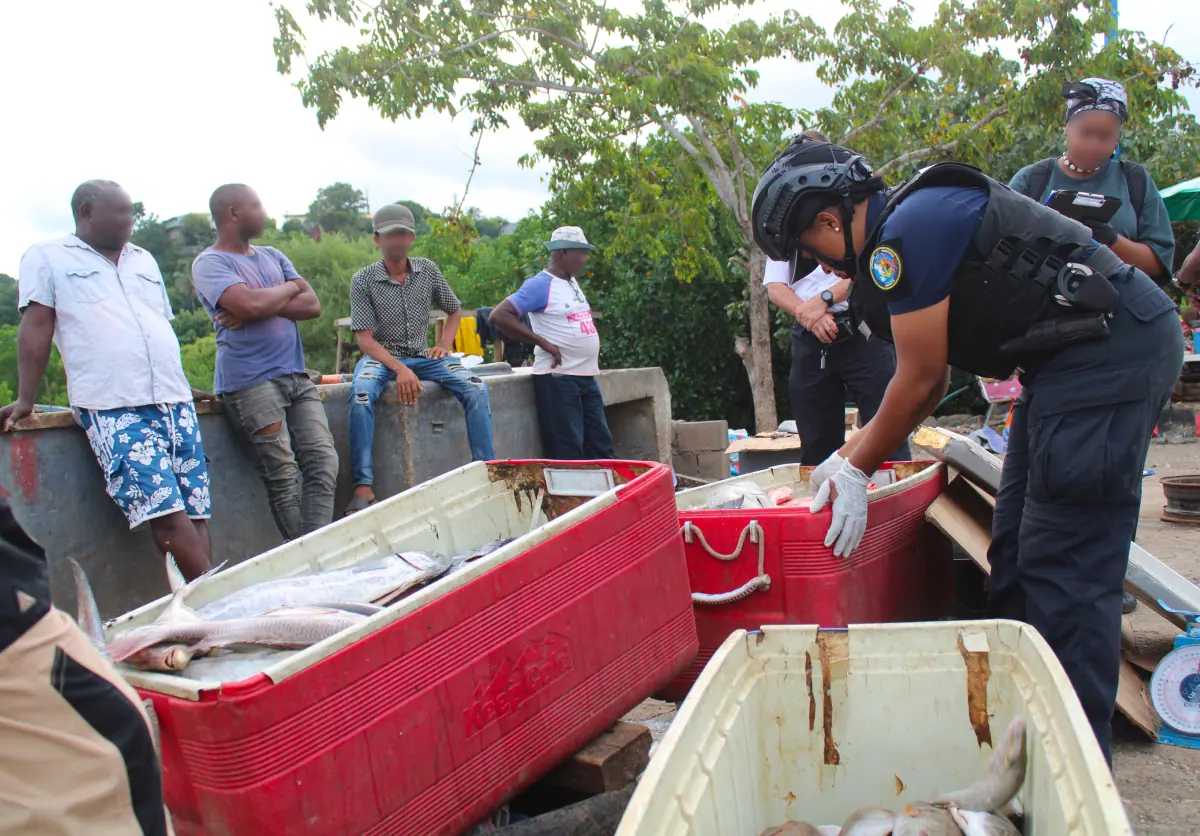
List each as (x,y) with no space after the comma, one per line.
(821,473)
(849,521)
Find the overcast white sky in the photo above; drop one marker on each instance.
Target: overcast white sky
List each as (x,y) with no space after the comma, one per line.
(171,98)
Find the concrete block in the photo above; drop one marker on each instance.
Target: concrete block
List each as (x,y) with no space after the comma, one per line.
(70,514)
(685,463)
(700,436)
(712,465)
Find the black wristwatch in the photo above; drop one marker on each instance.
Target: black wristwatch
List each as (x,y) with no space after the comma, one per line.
(827,298)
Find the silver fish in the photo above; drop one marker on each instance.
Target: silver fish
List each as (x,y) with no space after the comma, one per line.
(829,830)
(89,614)
(365,582)
(161,657)
(925,820)
(792,828)
(287,627)
(464,557)
(1005,775)
(974,823)
(871,821)
(348,606)
(233,667)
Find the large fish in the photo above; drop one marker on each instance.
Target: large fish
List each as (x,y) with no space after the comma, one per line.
(1005,775)
(233,667)
(287,627)
(926,820)
(363,583)
(870,821)
(89,614)
(792,828)
(974,823)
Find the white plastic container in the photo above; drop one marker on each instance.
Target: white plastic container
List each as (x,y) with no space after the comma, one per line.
(792,723)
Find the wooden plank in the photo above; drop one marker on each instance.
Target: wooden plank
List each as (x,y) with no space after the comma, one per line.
(1133,699)
(1132,650)
(953,515)
(961,526)
(611,761)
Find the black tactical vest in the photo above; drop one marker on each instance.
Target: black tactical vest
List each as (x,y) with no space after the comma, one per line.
(995,299)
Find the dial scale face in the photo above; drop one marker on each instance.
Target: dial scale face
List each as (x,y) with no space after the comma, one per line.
(1175,689)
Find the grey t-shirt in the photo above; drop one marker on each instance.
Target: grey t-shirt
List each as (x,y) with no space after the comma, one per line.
(1151,227)
(258,351)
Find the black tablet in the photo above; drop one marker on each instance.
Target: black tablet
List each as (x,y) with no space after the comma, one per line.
(1084,206)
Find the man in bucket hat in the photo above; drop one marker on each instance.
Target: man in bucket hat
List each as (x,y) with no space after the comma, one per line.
(566,356)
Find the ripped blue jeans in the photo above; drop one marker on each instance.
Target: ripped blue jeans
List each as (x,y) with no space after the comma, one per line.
(371,378)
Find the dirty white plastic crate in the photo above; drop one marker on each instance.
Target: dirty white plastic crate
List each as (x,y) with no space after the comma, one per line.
(796,723)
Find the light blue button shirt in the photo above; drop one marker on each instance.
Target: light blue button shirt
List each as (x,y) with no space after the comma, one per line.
(112,323)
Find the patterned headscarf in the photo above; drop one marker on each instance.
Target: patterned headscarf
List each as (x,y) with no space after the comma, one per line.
(1096,94)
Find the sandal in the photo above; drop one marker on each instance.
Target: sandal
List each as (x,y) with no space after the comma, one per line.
(357,504)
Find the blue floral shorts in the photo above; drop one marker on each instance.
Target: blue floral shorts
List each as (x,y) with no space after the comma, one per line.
(152,459)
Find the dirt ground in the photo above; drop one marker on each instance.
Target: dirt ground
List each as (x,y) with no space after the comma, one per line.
(1159,784)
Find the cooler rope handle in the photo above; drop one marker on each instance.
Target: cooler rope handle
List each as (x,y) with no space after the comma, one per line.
(762,582)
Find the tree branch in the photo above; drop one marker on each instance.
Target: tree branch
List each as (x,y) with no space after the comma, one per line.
(537,84)
(739,163)
(943,148)
(917,72)
(724,183)
(471,176)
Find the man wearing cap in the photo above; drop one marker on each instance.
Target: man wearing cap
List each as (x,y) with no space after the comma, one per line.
(389,312)
(566,356)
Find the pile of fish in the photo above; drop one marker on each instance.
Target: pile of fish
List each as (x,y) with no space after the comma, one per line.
(749,495)
(989,807)
(285,614)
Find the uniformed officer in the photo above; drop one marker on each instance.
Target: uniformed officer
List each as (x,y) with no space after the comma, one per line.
(957,269)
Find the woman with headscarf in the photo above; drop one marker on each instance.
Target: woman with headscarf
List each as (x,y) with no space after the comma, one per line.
(1140,232)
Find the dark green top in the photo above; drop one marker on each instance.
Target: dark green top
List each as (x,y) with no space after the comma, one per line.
(1151,227)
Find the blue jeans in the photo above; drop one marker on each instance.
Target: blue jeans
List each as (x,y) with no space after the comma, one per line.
(571,414)
(370,379)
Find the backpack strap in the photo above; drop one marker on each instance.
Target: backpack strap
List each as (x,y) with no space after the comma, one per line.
(1135,181)
(1039,178)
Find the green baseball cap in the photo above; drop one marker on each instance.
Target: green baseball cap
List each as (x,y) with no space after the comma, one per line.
(393,217)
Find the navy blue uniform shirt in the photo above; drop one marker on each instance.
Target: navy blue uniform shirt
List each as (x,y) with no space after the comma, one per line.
(922,243)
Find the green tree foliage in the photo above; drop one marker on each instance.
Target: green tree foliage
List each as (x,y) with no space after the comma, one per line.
(982,83)
(9,315)
(585,76)
(422,217)
(54,385)
(200,361)
(338,208)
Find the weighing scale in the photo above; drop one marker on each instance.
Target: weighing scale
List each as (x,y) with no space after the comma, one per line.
(1175,686)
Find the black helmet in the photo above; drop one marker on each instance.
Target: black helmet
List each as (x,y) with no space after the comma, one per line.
(803,180)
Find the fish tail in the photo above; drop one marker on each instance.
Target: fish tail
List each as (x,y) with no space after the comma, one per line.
(174,576)
(89,614)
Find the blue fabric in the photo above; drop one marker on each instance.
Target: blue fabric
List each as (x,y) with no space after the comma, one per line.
(533,295)
(571,416)
(931,230)
(1070,492)
(152,458)
(370,379)
(258,351)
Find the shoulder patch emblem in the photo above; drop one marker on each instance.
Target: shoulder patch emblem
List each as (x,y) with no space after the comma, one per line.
(885,267)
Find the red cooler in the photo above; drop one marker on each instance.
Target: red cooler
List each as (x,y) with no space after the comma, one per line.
(771,566)
(436,711)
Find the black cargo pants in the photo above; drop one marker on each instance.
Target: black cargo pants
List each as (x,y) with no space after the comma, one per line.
(1071,488)
(821,377)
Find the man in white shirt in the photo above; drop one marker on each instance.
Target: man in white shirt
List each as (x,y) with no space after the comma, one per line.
(828,362)
(102,301)
(566,356)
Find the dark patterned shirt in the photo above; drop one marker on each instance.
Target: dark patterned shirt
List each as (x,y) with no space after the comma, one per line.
(397,313)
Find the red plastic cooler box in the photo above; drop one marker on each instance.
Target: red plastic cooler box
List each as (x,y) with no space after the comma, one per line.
(431,714)
(901,571)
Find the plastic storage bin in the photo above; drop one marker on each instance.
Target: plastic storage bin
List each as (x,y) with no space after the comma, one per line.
(792,723)
(432,713)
